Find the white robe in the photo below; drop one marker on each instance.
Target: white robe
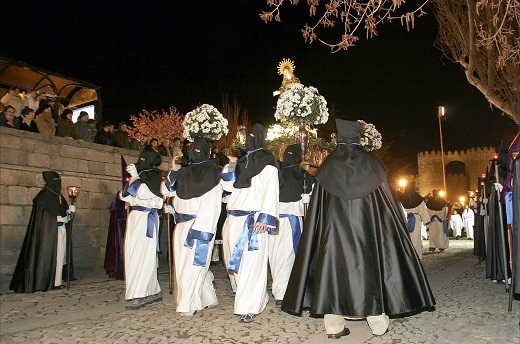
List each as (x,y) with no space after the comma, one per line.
(251,280)
(468,218)
(436,229)
(281,251)
(421,216)
(61,249)
(139,250)
(194,284)
(456,224)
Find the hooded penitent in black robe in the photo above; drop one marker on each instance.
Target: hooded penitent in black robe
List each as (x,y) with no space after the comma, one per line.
(516,225)
(114,257)
(497,260)
(296,180)
(36,266)
(480,228)
(355,257)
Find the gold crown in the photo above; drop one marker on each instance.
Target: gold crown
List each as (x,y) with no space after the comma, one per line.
(284,64)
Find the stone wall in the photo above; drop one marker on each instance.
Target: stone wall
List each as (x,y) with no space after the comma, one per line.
(95,168)
(430,167)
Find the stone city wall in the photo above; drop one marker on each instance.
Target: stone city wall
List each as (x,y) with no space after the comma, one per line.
(430,166)
(95,168)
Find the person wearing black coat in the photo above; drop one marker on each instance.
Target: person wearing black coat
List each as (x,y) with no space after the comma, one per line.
(355,257)
(41,264)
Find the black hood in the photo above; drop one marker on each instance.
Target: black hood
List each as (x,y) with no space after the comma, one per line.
(201,175)
(256,158)
(349,171)
(50,197)
(148,172)
(410,198)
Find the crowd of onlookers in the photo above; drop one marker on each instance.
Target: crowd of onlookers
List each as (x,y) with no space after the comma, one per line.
(32,111)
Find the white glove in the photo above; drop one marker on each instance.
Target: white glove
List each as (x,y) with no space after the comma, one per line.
(499,187)
(485,201)
(306,198)
(72,208)
(168,209)
(132,170)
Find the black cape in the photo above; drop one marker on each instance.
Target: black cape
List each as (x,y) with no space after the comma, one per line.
(355,258)
(516,225)
(36,266)
(496,269)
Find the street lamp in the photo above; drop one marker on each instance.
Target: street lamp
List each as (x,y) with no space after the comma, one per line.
(441,115)
(402,184)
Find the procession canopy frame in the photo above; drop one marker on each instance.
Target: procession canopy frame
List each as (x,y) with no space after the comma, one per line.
(73,92)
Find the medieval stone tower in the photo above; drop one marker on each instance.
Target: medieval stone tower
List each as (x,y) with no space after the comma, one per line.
(462,170)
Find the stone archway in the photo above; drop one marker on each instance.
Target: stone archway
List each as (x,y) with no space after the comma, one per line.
(457,180)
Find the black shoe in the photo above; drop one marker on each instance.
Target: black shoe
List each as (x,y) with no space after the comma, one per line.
(154,298)
(136,303)
(431,249)
(345,332)
(58,287)
(279,303)
(457,237)
(470,238)
(441,249)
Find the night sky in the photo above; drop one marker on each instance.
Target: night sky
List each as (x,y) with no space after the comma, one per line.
(185,53)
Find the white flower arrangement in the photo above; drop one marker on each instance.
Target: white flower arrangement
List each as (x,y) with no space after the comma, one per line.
(206,122)
(370,138)
(276,130)
(300,103)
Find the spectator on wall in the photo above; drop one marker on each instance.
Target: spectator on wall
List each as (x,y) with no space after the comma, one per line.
(28,123)
(121,138)
(44,121)
(8,119)
(105,136)
(66,126)
(83,128)
(135,142)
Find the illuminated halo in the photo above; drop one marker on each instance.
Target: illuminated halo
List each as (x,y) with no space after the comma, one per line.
(284,64)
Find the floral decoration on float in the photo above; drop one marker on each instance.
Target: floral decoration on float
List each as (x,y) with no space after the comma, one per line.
(302,104)
(205,122)
(370,137)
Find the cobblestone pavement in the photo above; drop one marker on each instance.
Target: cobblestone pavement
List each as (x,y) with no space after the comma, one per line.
(470,309)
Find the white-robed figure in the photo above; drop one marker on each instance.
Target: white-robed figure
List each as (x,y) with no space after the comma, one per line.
(143,196)
(468,220)
(437,225)
(196,209)
(283,244)
(252,211)
(456,224)
(416,214)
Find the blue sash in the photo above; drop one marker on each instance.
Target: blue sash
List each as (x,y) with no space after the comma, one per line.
(248,235)
(411,222)
(153,222)
(295,228)
(203,239)
(444,224)
(170,179)
(131,189)
(229,176)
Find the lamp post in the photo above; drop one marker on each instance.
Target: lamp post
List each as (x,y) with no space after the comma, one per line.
(401,183)
(73,192)
(441,115)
